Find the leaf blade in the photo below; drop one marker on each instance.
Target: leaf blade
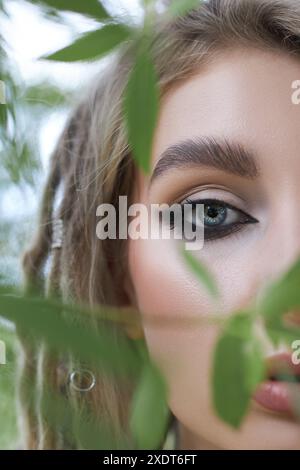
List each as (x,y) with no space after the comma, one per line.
(92,45)
(141,109)
(238,368)
(149,410)
(201,272)
(92,8)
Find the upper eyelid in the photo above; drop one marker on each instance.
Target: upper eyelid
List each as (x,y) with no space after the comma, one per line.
(210,199)
(219,201)
(215,191)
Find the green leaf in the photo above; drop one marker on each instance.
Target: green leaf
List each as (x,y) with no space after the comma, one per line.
(181,7)
(92,45)
(231,396)
(201,272)
(45,95)
(8,411)
(256,364)
(3,115)
(65,330)
(91,8)
(240,325)
(141,103)
(279,298)
(149,409)
(237,369)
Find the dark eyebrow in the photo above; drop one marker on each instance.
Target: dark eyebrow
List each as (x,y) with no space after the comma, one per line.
(231,157)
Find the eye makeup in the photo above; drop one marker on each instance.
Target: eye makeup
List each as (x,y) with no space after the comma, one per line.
(221,219)
(229,202)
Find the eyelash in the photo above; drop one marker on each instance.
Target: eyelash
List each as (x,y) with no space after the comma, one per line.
(225,230)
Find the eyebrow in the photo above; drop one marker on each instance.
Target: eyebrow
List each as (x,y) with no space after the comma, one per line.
(221,154)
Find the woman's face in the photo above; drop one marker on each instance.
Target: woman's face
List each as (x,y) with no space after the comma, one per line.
(244,100)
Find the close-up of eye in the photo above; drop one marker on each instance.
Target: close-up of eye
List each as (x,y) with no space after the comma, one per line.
(220,219)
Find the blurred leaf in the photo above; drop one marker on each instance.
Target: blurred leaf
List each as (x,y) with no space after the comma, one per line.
(92,8)
(256,364)
(149,409)
(237,369)
(18,149)
(281,297)
(181,7)
(66,330)
(92,434)
(8,412)
(80,426)
(201,272)
(3,115)
(92,45)
(39,319)
(19,161)
(46,95)
(141,105)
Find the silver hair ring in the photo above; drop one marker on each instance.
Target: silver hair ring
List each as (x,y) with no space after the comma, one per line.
(84,377)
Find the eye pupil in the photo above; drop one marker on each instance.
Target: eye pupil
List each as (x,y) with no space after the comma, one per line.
(214,214)
(211,211)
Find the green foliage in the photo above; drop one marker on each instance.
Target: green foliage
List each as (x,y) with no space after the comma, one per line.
(281,297)
(62,327)
(149,410)
(19,160)
(8,421)
(92,45)
(91,8)
(238,368)
(65,330)
(80,425)
(201,272)
(238,359)
(141,108)
(46,96)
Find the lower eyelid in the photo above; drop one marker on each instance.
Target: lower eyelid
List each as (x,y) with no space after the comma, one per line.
(237,230)
(224,232)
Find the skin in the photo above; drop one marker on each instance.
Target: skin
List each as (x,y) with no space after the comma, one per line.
(245,96)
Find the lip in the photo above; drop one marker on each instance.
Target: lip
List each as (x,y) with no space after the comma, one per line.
(279,396)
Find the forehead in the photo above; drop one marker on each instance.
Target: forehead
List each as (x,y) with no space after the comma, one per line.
(245,95)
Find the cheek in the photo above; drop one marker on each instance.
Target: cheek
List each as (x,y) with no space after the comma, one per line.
(166,288)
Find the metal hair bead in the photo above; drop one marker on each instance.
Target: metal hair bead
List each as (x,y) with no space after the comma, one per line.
(57,233)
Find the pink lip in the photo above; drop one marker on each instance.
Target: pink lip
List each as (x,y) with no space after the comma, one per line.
(279,396)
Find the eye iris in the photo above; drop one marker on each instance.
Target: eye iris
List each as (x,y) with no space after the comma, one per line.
(214,214)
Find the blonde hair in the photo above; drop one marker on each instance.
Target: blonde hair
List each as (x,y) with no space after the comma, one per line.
(92,164)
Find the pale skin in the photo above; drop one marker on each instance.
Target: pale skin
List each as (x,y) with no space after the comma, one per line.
(245,97)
